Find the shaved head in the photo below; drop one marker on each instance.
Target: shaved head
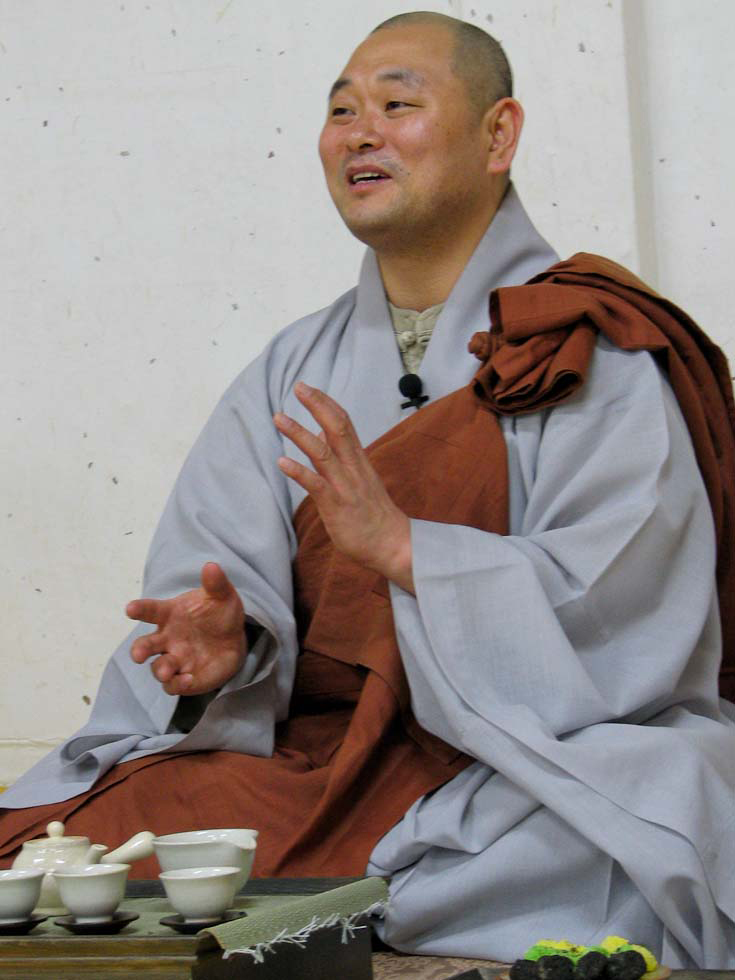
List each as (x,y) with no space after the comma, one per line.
(478,59)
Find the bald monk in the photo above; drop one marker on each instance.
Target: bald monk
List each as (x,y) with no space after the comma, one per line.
(470,643)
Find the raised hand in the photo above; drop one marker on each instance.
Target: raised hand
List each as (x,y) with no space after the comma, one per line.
(200,641)
(359,515)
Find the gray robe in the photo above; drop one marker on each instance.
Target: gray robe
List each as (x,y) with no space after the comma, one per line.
(575,659)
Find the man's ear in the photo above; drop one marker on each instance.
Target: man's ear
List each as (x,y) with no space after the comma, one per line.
(503,123)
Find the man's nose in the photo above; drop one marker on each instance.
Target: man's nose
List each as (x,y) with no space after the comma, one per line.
(364,134)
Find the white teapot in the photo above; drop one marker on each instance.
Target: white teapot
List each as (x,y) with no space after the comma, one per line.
(57,853)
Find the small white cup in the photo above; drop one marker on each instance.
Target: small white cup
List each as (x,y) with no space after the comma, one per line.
(199,894)
(19,892)
(92,892)
(214,848)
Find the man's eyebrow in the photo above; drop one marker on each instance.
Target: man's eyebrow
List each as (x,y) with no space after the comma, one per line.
(339,85)
(405,75)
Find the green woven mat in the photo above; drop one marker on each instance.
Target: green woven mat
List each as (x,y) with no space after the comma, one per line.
(293,921)
(151,910)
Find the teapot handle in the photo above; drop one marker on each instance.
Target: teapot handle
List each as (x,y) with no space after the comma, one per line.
(138,847)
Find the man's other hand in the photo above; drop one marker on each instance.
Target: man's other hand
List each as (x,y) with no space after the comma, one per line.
(200,641)
(357,511)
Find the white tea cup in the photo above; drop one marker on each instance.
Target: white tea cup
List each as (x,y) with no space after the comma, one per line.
(214,848)
(201,894)
(19,892)
(92,892)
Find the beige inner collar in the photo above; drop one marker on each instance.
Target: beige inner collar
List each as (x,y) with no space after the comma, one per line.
(413,333)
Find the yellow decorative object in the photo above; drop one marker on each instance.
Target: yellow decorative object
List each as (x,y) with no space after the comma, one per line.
(613,943)
(651,961)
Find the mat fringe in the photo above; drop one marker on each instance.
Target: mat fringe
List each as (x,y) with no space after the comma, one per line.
(300,937)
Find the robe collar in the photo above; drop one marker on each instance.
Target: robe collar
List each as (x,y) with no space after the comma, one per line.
(510,253)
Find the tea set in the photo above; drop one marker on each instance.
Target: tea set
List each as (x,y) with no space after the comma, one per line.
(83,883)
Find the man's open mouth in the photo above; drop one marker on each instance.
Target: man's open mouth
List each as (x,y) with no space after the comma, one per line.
(367,176)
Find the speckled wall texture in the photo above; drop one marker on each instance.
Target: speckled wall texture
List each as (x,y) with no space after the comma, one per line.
(163,214)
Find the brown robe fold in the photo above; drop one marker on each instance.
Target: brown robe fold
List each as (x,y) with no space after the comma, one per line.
(351,758)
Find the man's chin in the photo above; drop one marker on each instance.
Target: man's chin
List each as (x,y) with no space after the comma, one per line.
(378,231)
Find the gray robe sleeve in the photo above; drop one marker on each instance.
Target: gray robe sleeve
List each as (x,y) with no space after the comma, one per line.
(230,504)
(575,659)
(589,612)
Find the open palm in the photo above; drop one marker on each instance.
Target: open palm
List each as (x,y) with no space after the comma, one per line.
(200,640)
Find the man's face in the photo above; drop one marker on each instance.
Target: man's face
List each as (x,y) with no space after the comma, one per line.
(403,152)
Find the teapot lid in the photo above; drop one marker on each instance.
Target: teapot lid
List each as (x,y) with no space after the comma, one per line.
(55,831)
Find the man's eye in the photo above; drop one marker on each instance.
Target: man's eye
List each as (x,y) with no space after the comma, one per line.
(340,110)
(395,104)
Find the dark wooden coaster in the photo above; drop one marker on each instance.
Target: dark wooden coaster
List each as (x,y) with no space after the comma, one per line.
(21,927)
(188,928)
(107,928)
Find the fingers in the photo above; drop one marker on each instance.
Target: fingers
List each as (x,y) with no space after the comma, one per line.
(313,447)
(311,482)
(170,669)
(179,684)
(335,453)
(317,449)
(172,679)
(336,424)
(214,581)
(147,646)
(147,610)
(338,431)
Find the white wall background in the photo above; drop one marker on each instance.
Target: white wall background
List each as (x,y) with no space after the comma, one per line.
(162,214)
